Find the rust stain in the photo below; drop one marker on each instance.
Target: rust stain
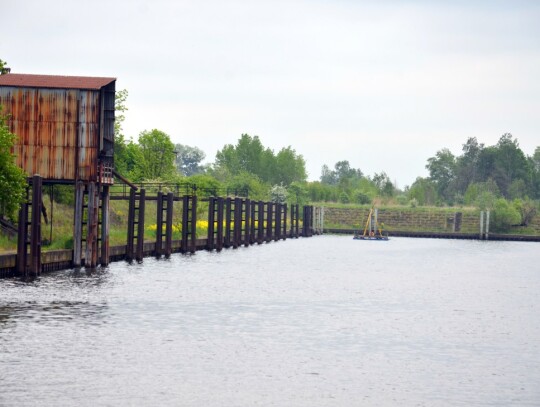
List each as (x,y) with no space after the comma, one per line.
(46,122)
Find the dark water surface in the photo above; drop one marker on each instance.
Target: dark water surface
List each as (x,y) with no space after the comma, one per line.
(325,321)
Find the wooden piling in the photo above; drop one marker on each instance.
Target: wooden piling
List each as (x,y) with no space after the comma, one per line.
(131,226)
(105,225)
(210,239)
(252,221)
(260,222)
(78,224)
(219,224)
(247,222)
(35,233)
(159,224)
(169,224)
(227,241)
(269,221)
(277,223)
(90,259)
(237,222)
(140,226)
(22,239)
(284,230)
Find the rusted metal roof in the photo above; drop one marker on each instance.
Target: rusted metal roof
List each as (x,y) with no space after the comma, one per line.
(54,81)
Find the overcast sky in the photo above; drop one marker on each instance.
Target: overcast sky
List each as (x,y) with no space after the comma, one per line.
(382,84)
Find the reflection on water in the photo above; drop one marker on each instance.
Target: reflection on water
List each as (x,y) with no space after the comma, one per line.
(326,321)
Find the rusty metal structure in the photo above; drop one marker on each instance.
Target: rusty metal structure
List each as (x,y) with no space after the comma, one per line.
(65,130)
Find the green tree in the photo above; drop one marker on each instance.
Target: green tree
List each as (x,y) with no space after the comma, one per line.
(121,157)
(278,194)
(505,215)
(157,151)
(383,183)
(467,165)
(423,191)
(12,178)
(442,169)
(3,68)
(290,167)
(188,159)
(250,156)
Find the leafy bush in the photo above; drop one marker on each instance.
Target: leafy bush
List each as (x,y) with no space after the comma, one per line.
(505,215)
(344,197)
(63,194)
(278,194)
(361,198)
(401,200)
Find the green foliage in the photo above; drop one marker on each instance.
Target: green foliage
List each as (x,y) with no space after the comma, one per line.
(250,156)
(188,159)
(482,194)
(344,197)
(206,184)
(423,191)
(12,178)
(361,198)
(278,194)
(384,184)
(3,68)
(442,171)
(402,199)
(157,152)
(64,194)
(298,193)
(515,175)
(527,210)
(505,215)
(245,182)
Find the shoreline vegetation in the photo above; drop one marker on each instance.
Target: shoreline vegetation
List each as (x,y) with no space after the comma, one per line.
(337,216)
(500,179)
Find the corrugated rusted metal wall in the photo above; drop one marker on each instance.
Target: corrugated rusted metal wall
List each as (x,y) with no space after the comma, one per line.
(57,129)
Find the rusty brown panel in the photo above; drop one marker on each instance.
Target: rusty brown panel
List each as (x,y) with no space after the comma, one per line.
(88,135)
(56,105)
(88,164)
(89,106)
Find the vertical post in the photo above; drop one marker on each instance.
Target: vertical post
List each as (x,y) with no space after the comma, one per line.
(247,222)
(322,219)
(310,221)
(277,225)
(375,220)
(219,220)
(22,239)
(269,220)
(185,223)
(297,221)
(260,222)
(487,225)
(140,227)
(35,227)
(169,224)
(228,209)
(253,212)
(481,236)
(237,219)
(91,228)
(193,243)
(159,225)
(284,232)
(105,225)
(211,223)
(130,250)
(77,225)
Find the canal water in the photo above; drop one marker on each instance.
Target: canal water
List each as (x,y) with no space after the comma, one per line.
(325,321)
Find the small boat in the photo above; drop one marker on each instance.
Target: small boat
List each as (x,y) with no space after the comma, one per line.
(372,230)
